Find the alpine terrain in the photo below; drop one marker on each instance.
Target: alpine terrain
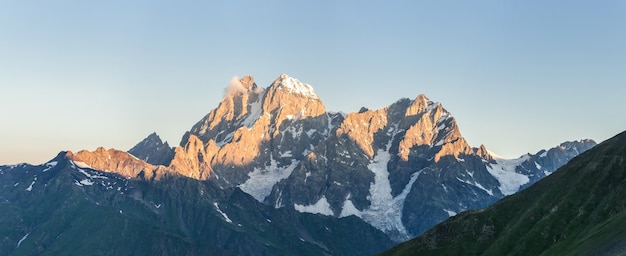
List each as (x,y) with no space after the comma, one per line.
(268,171)
(578,210)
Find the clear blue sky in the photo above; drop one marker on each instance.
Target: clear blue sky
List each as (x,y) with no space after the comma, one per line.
(519,76)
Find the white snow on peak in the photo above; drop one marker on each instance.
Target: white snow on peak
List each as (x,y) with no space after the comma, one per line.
(321,207)
(217,207)
(504,171)
(261,181)
(297,87)
(544,154)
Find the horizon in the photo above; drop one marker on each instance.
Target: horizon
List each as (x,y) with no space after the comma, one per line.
(517,77)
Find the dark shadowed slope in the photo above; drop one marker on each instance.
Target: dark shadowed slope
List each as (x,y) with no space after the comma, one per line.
(578,210)
(64,207)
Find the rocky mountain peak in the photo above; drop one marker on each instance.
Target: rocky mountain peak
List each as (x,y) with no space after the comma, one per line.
(419,105)
(153,150)
(247,82)
(483,153)
(289,99)
(294,86)
(255,128)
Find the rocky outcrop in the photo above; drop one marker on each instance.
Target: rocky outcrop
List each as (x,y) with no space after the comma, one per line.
(152,150)
(118,162)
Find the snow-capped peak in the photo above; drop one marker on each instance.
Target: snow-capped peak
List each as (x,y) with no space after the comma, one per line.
(295,86)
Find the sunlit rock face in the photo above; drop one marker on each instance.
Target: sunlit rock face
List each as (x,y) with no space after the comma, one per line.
(255,129)
(402,168)
(118,162)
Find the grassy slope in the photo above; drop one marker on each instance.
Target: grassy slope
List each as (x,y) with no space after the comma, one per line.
(578,210)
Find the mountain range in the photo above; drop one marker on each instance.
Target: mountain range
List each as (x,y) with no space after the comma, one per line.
(274,156)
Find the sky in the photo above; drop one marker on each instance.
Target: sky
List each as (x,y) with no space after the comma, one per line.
(518,76)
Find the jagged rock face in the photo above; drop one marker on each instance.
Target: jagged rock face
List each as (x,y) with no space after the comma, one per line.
(118,162)
(152,150)
(369,165)
(192,158)
(403,169)
(254,130)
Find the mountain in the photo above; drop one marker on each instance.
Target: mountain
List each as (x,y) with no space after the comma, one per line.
(578,210)
(402,168)
(65,207)
(152,150)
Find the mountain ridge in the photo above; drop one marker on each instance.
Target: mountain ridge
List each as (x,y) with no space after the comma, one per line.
(578,210)
(64,207)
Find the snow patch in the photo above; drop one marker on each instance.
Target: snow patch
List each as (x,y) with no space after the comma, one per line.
(256,110)
(483,188)
(544,154)
(22,240)
(286,154)
(450,213)
(297,87)
(385,211)
(226,140)
(261,181)
(349,209)
(91,176)
(537,165)
(222,213)
(504,171)
(29,188)
(311,132)
(50,165)
(321,206)
(476,184)
(86,182)
(82,164)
